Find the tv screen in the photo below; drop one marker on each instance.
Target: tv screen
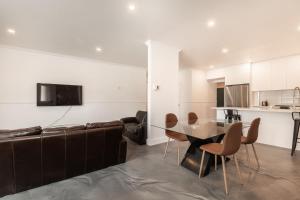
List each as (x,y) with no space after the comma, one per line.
(58,95)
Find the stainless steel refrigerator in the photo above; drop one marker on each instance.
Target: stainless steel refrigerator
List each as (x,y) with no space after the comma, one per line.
(237,95)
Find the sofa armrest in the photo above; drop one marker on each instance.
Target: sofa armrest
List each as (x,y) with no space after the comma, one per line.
(122,151)
(129,120)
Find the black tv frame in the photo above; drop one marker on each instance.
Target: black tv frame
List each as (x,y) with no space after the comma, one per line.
(40,103)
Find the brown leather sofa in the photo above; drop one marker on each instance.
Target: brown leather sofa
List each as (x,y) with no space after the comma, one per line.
(34,157)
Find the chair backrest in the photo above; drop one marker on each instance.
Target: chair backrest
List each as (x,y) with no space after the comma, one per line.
(192,118)
(232,139)
(253,131)
(141,116)
(170,120)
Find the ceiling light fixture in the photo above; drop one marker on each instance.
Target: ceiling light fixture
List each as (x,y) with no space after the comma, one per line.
(211,67)
(298,28)
(11,31)
(131,7)
(225,50)
(98,49)
(211,23)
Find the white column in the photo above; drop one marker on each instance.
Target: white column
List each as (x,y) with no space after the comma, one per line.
(163,90)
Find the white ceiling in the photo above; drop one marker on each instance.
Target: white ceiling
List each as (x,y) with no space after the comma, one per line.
(251,29)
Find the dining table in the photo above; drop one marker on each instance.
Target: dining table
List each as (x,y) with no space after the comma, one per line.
(198,133)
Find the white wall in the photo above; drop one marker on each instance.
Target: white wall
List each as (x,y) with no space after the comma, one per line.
(196,94)
(163,69)
(110,91)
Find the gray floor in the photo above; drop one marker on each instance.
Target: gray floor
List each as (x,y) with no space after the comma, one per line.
(147,176)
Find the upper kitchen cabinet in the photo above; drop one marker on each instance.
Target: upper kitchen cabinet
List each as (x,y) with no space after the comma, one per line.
(293,72)
(278,74)
(260,76)
(239,74)
(215,74)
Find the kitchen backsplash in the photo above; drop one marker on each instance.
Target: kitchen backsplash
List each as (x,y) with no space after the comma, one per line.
(282,97)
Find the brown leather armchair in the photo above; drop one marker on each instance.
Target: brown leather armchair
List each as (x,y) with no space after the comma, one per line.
(34,160)
(136,127)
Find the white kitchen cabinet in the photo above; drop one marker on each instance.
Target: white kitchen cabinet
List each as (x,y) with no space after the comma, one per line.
(215,74)
(278,74)
(293,72)
(260,76)
(239,74)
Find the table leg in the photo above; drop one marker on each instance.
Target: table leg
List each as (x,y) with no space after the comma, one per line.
(193,155)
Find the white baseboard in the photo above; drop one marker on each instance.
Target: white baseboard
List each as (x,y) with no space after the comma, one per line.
(155,141)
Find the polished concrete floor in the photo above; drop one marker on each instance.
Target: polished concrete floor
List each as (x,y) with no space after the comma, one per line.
(278,177)
(147,176)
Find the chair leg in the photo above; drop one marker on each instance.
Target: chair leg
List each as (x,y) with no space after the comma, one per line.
(216,162)
(256,158)
(238,168)
(166,148)
(248,156)
(178,154)
(201,164)
(224,174)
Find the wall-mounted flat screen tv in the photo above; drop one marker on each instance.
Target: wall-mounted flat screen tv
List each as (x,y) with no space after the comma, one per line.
(58,95)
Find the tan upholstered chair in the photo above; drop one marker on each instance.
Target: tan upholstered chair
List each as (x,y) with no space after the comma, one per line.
(192,118)
(171,121)
(251,139)
(231,144)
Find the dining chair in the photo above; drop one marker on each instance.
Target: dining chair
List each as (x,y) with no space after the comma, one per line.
(250,139)
(171,121)
(192,118)
(230,145)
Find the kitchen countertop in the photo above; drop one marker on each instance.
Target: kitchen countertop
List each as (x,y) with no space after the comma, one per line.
(259,109)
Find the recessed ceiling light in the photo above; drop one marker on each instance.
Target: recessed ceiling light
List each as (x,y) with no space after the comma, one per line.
(211,23)
(211,67)
(98,49)
(11,31)
(298,28)
(225,50)
(131,7)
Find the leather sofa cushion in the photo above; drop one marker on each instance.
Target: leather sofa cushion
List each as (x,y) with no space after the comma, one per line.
(27,133)
(21,129)
(62,129)
(20,132)
(104,124)
(53,130)
(76,128)
(6,135)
